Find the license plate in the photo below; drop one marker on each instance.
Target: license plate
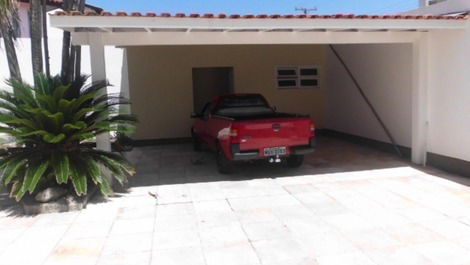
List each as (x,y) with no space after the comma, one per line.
(274,151)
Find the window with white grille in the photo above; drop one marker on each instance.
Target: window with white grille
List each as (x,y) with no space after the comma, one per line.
(296,77)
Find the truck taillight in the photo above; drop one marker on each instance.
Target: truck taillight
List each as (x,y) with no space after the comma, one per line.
(312,127)
(233,133)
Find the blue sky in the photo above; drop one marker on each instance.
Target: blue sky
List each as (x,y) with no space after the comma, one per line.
(258,6)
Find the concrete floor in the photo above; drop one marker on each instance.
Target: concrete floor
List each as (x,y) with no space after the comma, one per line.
(347,205)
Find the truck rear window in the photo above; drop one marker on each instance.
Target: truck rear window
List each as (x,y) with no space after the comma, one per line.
(243,105)
(242,101)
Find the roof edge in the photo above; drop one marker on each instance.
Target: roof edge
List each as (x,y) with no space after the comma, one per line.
(262,16)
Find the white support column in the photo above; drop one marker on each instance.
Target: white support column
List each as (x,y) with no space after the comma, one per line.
(419,100)
(125,92)
(98,73)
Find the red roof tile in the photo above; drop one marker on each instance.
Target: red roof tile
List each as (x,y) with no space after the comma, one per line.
(262,16)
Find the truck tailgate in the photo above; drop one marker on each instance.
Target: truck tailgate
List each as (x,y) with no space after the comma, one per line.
(274,132)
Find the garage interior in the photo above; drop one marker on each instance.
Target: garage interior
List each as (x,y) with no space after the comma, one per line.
(192,75)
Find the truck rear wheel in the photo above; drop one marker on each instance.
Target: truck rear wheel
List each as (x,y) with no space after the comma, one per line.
(224,165)
(295,161)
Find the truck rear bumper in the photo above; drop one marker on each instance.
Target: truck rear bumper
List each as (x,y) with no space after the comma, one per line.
(302,150)
(251,155)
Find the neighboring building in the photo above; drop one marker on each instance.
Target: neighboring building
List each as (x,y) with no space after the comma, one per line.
(23,48)
(23,14)
(430,2)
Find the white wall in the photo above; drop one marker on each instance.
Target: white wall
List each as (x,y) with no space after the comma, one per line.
(384,72)
(446,7)
(449,94)
(114,56)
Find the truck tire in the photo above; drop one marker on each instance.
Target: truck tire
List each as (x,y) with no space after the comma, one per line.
(196,142)
(224,165)
(295,161)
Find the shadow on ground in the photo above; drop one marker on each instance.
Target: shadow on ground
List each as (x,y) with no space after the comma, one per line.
(178,164)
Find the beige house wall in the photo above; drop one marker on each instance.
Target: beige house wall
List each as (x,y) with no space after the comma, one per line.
(160,81)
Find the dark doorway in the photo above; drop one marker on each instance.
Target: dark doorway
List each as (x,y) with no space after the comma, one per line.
(209,82)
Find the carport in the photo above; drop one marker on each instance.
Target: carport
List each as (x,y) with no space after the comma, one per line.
(139,32)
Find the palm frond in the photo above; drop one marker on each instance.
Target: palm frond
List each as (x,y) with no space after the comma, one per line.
(54,120)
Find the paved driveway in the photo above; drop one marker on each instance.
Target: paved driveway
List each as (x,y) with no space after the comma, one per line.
(346,205)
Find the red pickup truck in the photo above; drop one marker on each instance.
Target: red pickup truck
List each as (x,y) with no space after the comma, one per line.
(244,127)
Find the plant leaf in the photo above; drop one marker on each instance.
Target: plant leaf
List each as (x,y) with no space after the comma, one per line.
(34,174)
(79,181)
(105,188)
(53,139)
(13,166)
(60,163)
(79,125)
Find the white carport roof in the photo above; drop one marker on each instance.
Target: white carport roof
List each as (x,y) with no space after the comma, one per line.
(135,29)
(150,29)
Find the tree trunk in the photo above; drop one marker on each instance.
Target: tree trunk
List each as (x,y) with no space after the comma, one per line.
(13,66)
(66,49)
(78,49)
(65,56)
(36,36)
(71,65)
(45,38)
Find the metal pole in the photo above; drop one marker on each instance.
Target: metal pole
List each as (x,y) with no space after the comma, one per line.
(364,96)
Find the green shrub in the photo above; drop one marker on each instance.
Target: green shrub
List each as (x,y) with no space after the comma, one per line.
(54,127)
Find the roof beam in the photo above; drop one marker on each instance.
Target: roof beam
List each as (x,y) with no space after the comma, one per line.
(234,38)
(246,24)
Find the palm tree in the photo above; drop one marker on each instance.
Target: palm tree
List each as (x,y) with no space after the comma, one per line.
(36,36)
(55,126)
(8,17)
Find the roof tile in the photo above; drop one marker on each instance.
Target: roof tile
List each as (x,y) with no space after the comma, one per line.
(263,16)
(91,13)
